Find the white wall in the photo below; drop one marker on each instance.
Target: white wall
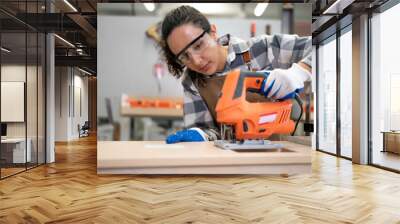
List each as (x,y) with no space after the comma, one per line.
(126,57)
(61,103)
(241,27)
(17,73)
(67,116)
(79,117)
(33,126)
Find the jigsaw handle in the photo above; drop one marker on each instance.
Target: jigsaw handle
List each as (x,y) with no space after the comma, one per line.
(245,80)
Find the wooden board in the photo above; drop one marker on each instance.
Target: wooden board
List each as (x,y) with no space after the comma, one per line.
(175,111)
(156,157)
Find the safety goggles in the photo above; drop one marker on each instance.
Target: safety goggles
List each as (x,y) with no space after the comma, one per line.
(196,46)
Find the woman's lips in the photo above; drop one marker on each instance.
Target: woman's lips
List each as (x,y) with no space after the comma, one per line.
(205,67)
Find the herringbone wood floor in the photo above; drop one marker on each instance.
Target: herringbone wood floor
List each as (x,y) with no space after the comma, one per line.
(70,191)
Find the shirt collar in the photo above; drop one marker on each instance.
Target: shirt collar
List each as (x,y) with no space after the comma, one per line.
(235,46)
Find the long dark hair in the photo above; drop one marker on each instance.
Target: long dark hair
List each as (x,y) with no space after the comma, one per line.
(177,17)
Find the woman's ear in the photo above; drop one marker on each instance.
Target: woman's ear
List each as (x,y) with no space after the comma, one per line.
(213,31)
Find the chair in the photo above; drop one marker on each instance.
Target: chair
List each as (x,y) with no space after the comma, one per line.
(84,130)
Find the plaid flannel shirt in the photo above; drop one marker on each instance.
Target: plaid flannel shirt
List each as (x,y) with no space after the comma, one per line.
(267,52)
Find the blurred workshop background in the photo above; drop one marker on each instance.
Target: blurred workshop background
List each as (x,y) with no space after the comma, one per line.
(137,99)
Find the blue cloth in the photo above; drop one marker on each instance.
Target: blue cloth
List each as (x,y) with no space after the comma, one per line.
(187,135)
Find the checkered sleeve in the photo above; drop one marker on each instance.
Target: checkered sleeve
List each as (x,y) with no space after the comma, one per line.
(196,113)
(284,50)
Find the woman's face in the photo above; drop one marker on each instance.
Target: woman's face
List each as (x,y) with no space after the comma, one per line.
(198,50)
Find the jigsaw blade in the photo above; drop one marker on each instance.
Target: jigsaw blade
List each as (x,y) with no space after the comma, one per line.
(246,145)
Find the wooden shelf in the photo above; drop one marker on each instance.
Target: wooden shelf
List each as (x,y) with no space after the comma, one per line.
(152,112)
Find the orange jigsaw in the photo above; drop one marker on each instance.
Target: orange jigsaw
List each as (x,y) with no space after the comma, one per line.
(251,120)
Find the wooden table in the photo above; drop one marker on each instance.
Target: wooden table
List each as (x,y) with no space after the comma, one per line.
(156,157)
(14,151)
(169,114)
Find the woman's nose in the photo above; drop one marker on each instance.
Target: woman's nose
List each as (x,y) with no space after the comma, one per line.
(197,59)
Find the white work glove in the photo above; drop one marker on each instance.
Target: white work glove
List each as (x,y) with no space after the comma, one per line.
(285,83)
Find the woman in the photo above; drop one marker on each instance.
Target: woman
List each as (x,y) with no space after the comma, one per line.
(194,53)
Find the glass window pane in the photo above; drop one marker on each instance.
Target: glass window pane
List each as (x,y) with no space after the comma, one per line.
(13,86)
(41,98)
(346,94)
(327,97)
(23,85)
(385,89)
(31,97)
(31,85)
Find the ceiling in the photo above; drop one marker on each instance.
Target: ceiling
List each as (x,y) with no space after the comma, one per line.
(328,16)
(76,22)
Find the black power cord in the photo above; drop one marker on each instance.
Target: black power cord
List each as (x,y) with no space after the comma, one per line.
(300,103)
